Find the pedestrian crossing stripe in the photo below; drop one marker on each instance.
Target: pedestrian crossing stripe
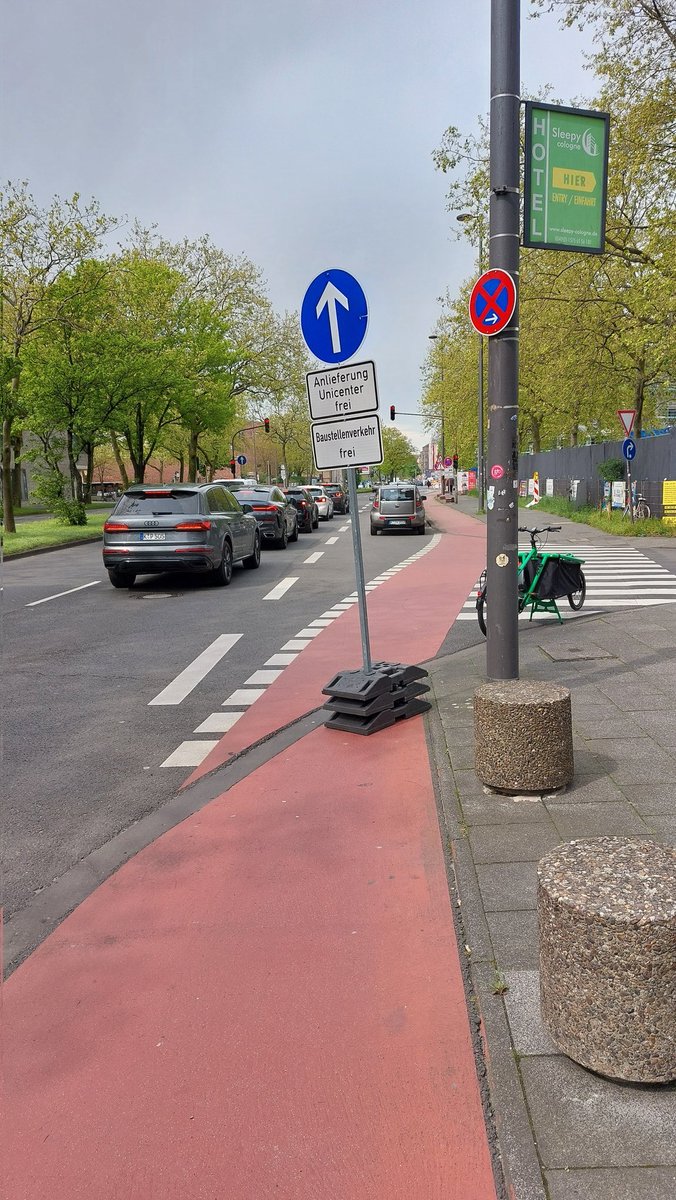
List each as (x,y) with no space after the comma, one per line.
(616,578)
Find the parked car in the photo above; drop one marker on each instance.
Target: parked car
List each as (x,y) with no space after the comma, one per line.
(306,507)
(323,501)
(276,515)
(398,507)
(178,527)
(341,500)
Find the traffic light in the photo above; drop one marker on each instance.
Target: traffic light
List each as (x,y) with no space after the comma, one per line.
(233,464)
(266,424)
(392,412)
(455,462)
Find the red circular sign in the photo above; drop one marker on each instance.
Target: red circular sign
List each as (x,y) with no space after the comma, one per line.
(497,471)
(492,301)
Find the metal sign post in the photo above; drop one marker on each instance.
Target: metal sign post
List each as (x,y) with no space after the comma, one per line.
(359,568)
(502,651)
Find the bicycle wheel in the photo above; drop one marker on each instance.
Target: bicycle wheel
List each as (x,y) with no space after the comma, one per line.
(576,599)
(642,510)
(481,612)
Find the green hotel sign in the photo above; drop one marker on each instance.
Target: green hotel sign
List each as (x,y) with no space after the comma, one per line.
(566,174)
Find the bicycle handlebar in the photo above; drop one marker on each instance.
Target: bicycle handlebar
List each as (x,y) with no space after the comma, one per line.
(545,529)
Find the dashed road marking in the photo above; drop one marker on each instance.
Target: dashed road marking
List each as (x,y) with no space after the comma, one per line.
(219,722)
(195,672)
(57,595)
(315,557)
(281,589)
(189,754)
(260,678)
(244,696)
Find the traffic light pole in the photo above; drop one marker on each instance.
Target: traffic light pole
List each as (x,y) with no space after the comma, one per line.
(264,424)
(502,652)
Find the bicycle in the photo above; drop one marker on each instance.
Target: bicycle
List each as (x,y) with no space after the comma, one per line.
(641,509)
(543,576)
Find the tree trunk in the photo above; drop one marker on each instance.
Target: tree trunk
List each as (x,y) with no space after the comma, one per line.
(120,463)
(17,493)
(75,490)
(535,430)
(639,395)
(87,490)
(181,469)
(192,457)
(7,498)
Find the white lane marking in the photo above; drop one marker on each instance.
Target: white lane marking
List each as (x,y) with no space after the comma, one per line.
(262,677)
(331,541)
(343,528)
(183,684)
(332,613)
(307,633)
(219,722)
(315,557)
(279,591)
(322,622)
(244,696)
(189,754)
(57,595)
(294,644)
(280,660)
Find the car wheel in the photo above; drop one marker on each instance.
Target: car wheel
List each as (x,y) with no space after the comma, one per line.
(121,579)
(421,530)
(294,536)
(222,574)
(254,560)
(374,532)
(282,541)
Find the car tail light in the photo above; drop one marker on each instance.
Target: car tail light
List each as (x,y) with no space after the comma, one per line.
(264,508)
(115,527)
(376,503)
(418,503)
(164,492)
(303,503)
(194,525)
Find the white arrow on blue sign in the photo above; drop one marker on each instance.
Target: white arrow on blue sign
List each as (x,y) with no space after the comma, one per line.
(241,459)
(629,448)
(334,316)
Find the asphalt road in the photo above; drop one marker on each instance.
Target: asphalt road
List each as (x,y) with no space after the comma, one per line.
(83,744)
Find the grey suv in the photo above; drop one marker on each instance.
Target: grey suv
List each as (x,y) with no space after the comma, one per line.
(397,507)
(178,527)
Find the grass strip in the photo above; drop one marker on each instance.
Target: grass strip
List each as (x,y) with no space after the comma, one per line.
(41,535)
(609,523)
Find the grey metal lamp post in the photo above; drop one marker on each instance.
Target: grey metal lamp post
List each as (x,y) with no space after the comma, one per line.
(480,482)
(434,337)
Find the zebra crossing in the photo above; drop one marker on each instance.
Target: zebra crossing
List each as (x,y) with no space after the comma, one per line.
(617,577)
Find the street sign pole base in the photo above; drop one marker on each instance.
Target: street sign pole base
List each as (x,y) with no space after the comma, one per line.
(366,702)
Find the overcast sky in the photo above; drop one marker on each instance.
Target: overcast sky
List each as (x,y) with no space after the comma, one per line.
(297,132)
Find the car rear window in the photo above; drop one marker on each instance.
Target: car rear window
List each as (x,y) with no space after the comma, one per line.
(157,503)
(396,493)
(245,494)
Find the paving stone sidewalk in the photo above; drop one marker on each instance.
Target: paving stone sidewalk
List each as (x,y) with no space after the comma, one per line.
(565,1133)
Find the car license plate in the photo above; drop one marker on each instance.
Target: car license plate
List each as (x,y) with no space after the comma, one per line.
(397,522)
(153,537)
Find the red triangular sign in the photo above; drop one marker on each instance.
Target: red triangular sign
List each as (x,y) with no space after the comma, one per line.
(627,417)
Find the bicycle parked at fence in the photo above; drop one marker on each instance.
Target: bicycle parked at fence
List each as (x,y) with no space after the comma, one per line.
(641,509)
(544,576)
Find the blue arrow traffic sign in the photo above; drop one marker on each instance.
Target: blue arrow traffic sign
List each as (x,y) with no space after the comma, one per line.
(241,459)
(334,316)
(629,448)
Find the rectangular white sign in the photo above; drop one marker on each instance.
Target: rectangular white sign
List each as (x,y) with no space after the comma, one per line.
(352,442)
(342,391)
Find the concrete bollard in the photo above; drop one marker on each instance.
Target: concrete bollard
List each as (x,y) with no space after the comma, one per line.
(607,920)
(523,735)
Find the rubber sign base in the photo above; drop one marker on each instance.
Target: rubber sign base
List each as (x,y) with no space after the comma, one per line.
(367,701)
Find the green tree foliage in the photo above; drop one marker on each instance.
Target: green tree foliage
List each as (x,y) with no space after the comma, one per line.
(596,332)
(400,460)
(37,247)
